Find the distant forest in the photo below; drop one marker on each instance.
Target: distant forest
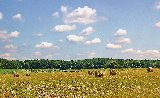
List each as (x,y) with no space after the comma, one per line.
(94,63)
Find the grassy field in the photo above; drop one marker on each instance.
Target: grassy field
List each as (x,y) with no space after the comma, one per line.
(127,83)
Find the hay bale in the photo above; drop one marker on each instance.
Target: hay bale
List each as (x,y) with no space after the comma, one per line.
(27,74)
(16,75)
(112,72)
(72,71)
(99,74)
(149,69)
(90,72)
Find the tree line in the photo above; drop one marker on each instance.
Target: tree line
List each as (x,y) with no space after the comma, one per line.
(94,63)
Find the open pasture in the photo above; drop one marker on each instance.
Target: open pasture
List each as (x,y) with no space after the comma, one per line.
(69,84)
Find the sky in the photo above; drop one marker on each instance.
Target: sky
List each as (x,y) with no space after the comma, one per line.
(79,29)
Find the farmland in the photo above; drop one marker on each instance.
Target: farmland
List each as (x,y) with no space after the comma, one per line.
(133,82)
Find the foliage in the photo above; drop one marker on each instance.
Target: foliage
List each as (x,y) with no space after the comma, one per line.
(94,63)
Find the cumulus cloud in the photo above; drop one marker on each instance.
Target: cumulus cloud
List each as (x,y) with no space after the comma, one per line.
(88,31)
(7,56)
(75,38)
(84,15)
(120,32)
(130,50)
(157,24)
(61,40)
(14,34)
(157,5)
(38,34)
(56,14)
(123,40)
(88,54)
(113,46)
(1,16)
(64,28)
(4,35)
(94,41)
(142,53)
(92,54)
(10,46)
(17,17)
(37,53)
(44,45)
(64,9)
(49,56)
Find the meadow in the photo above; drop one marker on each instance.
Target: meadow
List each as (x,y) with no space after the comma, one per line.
(57,84)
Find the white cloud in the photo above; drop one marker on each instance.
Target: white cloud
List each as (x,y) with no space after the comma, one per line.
(123,40)
(94,41)
(130,50)
(64,28)
(1,16)
(37,53)
(92,54)
(64,9)
(120,32)
(49,56)
(157,6)
(44,45)
(88,54)
(75,38)
(61,40)
(113,46)
(5,55)
(157,24)
(38,34)
(18,17)
(10,46)
(143,53)
(4,35)
(56,14)
(14,34)
(88,31)
(84,15)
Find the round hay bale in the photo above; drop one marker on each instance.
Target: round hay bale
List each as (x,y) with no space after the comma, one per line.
(16,75)
(149,69)
(112,72)
(90,72)
(27,74)
(98,74)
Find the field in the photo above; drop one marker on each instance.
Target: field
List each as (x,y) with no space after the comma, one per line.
(127,83)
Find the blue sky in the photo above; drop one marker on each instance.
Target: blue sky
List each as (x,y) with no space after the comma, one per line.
(79,29)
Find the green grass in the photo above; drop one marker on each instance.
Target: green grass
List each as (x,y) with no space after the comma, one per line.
(7,71)
(127,83)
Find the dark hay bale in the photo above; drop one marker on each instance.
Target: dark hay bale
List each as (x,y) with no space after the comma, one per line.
(98,74)
(150,69)
(16,75)
(27,74)
(72,71)
(90,72)
(112,72)
(49,71)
